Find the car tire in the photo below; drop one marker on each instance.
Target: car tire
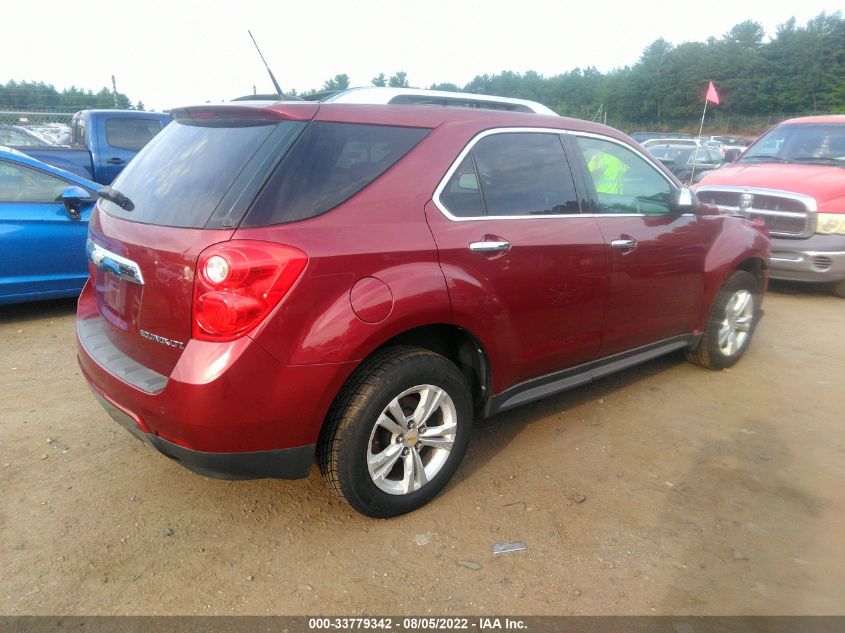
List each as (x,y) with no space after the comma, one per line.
(839,288)
(731,324)
(396,432)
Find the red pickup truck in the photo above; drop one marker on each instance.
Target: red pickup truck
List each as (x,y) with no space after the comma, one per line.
(793,178)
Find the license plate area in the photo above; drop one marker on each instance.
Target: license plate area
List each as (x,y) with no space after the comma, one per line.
(119,285)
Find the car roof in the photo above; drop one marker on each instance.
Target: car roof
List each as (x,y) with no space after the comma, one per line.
(829,118)
(123,113)
(17,156)
(400,115)
(418,116)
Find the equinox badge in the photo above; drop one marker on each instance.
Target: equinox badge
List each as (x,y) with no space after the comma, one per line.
(160,339)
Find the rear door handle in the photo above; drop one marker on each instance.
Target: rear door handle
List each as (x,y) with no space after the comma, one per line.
(115,161)
(624,245)
(490,246)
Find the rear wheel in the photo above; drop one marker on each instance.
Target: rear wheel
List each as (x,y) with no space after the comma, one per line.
(731,324)
(397,432)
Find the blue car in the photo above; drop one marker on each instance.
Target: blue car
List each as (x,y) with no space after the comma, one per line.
(44,215)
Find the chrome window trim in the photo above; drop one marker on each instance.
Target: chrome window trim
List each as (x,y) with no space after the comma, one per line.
(435,198)
(113,263)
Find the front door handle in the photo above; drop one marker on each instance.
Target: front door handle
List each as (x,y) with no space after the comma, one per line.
(490,246)
(116,161)
(624,245)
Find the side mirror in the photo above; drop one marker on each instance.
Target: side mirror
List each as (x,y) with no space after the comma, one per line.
(74,198)
(684,201)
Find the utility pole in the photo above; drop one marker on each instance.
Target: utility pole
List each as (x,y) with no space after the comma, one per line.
(114,91)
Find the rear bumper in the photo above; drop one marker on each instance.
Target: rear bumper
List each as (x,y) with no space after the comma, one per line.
(819,258)
(284,463)
(225,410)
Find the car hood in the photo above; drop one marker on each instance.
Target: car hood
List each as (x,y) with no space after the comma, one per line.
(825,183)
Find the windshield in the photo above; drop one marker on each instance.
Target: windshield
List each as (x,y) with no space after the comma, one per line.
(822,143)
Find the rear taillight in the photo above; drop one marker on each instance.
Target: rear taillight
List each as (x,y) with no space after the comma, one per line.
(238,283)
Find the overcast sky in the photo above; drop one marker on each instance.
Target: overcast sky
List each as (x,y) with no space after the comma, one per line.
(177,52)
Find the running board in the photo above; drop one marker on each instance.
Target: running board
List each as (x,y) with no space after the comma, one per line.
(538,388)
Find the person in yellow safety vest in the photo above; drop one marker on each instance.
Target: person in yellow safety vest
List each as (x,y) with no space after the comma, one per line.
(608,172)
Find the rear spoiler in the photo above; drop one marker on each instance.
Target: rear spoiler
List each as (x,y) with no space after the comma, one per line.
(246,113)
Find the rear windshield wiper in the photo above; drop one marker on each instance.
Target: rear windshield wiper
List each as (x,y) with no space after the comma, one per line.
(113,195)
(824,160)
(763,157)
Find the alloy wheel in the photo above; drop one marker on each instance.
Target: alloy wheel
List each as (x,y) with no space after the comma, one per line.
(411,439)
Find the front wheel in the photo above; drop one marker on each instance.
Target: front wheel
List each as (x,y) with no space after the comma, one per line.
(397,432)
(731,323)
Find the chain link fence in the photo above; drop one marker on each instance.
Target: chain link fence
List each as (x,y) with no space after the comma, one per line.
(34,116)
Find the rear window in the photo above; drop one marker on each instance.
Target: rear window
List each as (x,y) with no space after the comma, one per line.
(329,164)
(131,133)
(180,178)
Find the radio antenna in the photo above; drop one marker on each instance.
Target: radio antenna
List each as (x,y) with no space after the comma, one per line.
(272,78)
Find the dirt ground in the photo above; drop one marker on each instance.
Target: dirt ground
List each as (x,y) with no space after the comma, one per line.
(666,489)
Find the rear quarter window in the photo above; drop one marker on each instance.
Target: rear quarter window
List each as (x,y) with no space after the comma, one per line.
(131,133)
(327,165)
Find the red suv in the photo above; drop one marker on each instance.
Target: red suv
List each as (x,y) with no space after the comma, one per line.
(356,283)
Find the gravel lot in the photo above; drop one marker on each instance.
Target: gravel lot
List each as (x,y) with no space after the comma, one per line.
(666,489)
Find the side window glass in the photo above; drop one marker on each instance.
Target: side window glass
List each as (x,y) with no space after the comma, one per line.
(79,137)
(701,156)
(462,195)
(624,181)
(525,174)
(21,184)
(328,164)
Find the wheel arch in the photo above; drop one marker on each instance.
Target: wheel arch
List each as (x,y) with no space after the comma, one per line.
(456,344)
(758,267)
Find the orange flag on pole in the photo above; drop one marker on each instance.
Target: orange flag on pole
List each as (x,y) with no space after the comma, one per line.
(712,95)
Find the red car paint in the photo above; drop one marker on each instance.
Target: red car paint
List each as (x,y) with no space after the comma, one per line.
(386,264)
(821,182)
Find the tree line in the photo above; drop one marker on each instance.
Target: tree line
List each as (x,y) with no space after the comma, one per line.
(797,70)
(36,95)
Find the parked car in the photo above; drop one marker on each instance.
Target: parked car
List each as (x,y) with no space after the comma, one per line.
(639,137)
(44,215)
(793,179)
(689,164)
(55,133)
(102,142)
(729,146)
(15,135)
(680,141)
(358,282)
